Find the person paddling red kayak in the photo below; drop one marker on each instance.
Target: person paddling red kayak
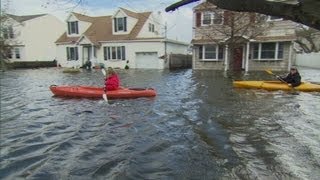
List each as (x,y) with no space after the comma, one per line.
(112,81)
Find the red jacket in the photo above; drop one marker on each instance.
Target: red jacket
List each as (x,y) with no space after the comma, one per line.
(112,82)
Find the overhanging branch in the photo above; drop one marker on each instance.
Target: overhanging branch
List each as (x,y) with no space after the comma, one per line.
(306,12)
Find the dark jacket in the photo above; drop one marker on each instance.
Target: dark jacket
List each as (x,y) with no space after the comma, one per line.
(294,79)
(112,82)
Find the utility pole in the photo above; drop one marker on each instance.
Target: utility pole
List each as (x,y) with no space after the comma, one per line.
(165,39)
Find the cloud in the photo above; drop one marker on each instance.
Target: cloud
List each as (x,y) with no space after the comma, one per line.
(179,22)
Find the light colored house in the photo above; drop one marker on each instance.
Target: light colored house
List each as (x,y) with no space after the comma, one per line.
(32,37)
(114,40)
(271,48)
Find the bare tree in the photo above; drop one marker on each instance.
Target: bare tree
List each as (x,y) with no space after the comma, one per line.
(233,28)
(308,39)
(301,11)
(5,34)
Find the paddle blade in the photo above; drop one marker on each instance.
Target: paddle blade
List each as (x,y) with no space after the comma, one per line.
(269,71)
(105,97)
(103,71)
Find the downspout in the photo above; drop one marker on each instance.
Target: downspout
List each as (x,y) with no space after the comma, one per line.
(226,61)
(290,56)
(247,57)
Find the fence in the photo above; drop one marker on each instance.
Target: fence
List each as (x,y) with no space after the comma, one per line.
(180,61)
(308,60)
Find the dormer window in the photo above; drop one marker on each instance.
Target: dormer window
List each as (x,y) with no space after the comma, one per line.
(120,24)
(8,33)
(151,27)
(73,27)
(210,18)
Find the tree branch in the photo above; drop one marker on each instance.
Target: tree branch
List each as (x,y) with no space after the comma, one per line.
(306,12)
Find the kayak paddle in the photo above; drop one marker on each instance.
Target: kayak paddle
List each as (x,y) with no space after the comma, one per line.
(280,79)
(104,95)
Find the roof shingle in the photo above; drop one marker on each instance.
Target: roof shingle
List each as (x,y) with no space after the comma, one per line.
(101,28)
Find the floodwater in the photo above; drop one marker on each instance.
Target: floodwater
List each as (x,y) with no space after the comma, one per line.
(198,127)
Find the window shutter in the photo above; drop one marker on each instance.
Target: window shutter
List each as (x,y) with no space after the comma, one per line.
(200,52)
(125,23)
(226,16)
(69,28)
(198,19)
(68,54)
(252,17)
(11,32)
(77,30)
(115,24)
(105,53)
(123,53)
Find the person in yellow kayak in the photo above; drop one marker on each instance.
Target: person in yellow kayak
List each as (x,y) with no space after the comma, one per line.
(293,78)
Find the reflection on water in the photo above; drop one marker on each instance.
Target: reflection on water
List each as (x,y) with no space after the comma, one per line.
(198,127)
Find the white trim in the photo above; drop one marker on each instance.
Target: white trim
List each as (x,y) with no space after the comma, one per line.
(226,60)
(267,59)
(290,56)
(247,57)
(270,20)
(147,40)
(216,51)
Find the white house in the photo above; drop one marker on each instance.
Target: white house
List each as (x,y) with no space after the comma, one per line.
(32,37)
(113,40)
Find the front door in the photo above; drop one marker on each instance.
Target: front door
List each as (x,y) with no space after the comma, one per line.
(86,54)
(237,58)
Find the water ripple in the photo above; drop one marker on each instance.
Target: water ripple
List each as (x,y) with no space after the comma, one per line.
(198,127)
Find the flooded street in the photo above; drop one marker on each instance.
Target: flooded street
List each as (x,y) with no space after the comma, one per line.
(198,127)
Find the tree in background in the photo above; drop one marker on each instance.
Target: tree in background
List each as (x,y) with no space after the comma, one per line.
(308,39)
(231,28)
(5,33)
(301,11)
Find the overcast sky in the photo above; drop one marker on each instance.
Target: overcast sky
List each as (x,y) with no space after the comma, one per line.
(179,22)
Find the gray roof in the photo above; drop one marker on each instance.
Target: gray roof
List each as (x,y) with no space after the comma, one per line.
(24,18)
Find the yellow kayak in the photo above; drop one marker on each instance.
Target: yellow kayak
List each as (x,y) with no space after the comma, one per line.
(275,85)
(71,70)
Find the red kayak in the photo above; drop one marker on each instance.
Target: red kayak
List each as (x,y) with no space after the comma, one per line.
(97,92)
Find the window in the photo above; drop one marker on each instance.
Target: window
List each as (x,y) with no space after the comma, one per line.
(211,18)
(9,54)
(72,53)
(17,52)
(206,18)
(114,53)
(267,51)
(8,33)
(211,52)
(73,27)
(120,24)
(151,27)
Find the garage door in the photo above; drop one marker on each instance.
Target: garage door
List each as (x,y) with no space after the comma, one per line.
(147,60)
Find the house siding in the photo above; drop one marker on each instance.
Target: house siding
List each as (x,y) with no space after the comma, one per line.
(39,38)
(36,38)
(131,49)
